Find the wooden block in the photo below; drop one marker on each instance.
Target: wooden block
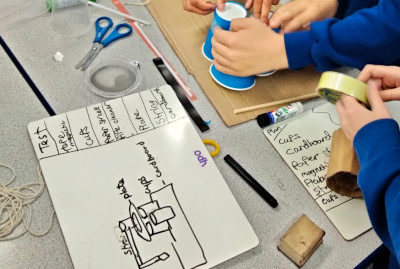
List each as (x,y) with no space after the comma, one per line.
(301,240)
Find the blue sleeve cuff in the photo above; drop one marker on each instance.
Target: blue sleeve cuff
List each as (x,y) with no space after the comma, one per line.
(298,49)
(375,138)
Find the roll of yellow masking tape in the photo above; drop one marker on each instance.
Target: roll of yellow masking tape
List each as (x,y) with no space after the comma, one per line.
(332,85)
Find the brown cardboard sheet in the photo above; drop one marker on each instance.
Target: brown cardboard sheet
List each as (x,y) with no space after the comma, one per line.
(186,32)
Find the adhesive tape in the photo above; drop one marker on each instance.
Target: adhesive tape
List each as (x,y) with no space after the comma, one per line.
(332,85)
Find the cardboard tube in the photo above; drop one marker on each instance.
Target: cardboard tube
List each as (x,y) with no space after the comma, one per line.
(343,166)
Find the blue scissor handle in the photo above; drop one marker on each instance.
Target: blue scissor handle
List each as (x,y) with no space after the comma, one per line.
(101,31)
(115,34)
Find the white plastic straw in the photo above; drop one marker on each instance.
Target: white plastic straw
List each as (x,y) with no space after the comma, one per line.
(119,13)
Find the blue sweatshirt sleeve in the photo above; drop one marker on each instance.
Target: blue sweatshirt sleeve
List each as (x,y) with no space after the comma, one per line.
(367,36)
(378,149)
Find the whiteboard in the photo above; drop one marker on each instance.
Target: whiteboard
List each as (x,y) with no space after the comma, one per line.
(133,186)
(304,143)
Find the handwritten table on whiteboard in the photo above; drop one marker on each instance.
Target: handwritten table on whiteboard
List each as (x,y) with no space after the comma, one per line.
(304,143)
(133,186)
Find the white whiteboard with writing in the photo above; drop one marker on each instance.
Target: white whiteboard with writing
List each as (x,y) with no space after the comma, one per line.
(304,143)
(133,186)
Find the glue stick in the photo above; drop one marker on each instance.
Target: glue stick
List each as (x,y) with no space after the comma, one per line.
(279,114)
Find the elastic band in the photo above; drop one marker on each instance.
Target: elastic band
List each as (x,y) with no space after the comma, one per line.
(213,143)
(12,202)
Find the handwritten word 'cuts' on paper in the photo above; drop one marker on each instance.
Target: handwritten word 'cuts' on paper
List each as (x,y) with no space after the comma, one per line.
(304,143)
(82,130)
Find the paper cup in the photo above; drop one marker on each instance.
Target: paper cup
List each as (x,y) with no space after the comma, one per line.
(222,19)
(232,82)
(266,74)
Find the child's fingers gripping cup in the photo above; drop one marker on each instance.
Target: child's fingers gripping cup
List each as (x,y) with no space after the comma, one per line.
(271,72)
(232,10)
(222,19)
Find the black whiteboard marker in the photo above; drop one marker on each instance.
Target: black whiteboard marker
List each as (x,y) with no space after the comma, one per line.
(253,183)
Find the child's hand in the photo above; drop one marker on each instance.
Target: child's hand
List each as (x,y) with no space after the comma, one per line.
(251,47)
(298,14)
(353,115)
(386,78)
(198,6)
(261,8)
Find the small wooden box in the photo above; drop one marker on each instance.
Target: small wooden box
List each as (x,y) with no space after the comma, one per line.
(301,240)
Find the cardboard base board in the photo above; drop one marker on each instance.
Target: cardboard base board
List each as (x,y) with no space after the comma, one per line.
(186,33)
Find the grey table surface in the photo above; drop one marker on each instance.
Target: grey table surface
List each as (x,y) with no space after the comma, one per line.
(25,28)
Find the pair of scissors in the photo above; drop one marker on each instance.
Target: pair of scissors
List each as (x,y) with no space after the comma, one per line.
(120,31)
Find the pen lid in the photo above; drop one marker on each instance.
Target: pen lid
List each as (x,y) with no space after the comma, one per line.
(263,120)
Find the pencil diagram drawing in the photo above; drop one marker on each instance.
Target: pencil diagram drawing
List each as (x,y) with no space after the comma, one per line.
(158,233)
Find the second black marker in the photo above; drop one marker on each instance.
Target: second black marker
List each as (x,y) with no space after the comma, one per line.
(253,183)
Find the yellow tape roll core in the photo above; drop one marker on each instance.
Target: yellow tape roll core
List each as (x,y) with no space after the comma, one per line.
(332,85)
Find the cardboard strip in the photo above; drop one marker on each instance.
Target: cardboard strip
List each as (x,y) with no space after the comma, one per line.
(186,33)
